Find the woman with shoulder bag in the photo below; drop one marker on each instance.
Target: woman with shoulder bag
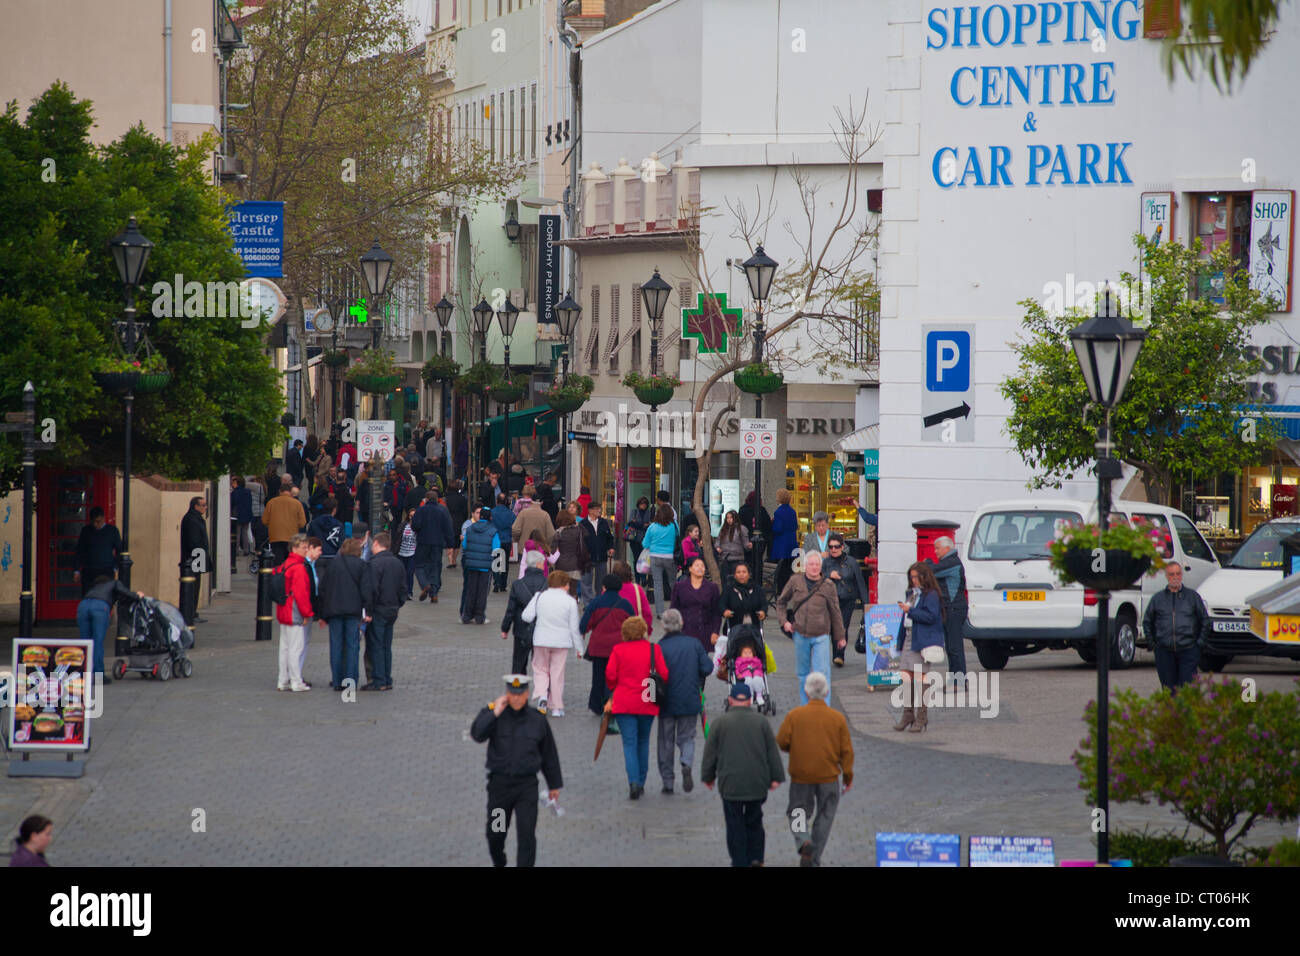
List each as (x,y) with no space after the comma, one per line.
(555,615)
(922,644)
(631,664)
(634,532)
(732,543)
(602,622)
(531,583)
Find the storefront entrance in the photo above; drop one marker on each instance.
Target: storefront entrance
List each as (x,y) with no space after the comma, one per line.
(64,499)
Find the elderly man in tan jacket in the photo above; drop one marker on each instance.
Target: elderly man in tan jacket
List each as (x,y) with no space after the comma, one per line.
(531,519)
(809,611)
(817,740)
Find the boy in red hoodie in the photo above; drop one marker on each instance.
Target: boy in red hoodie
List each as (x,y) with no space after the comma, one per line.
(294,616)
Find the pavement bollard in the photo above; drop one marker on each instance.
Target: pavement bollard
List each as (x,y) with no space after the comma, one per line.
(265,610)
(189,596)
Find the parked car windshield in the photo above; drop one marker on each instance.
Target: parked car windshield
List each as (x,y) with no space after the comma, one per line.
(1017,535)
(1263,549)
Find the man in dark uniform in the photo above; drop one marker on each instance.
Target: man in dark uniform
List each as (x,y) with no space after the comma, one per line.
(519,744)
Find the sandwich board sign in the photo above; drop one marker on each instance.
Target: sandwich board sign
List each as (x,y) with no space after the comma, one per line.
(376,439)
(52,695)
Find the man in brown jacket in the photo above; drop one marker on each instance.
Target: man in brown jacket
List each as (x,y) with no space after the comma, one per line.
(531,519)
(284,517)
(817,740)
(809,611)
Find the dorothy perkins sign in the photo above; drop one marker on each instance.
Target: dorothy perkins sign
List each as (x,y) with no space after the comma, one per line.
(1036,103)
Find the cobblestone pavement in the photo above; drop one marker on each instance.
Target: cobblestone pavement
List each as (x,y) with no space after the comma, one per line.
(308,779)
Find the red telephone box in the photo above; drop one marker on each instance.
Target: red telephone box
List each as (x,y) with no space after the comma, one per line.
(64,498)
(929,531)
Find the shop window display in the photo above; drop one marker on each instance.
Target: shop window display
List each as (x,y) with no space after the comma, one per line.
(808,479)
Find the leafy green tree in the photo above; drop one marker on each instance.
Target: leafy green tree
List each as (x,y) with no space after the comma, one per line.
(1180,413)
(62,199)
(1223,37)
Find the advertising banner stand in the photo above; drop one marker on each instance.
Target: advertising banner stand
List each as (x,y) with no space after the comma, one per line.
(50,704)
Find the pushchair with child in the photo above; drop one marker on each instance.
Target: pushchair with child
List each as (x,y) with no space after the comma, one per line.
(159,640)
(734,666)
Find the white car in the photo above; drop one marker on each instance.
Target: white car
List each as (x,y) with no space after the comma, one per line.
(1019,606)
(1253,566)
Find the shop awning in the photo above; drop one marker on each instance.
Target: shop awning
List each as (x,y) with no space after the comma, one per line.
(860,440)
(538,421)
(1288,417)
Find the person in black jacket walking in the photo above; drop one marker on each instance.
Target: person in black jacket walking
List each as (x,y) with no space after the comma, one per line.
(1175,623)
(521,593)
(432,524)
(99,550)
(688,666)
(347,588)
(390,594)
(458,508)
(196,559)
(742,600)
(519,745)
(850,586)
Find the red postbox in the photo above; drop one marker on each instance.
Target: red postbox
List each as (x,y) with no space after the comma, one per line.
(929,531)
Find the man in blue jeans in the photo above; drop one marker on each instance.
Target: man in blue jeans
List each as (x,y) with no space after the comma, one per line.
(95,610)
(809,611)
(390,594)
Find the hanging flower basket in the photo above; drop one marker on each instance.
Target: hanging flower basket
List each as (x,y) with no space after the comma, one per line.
(334,359)
(153,382)
(440,368)
(570,396)
(375,372)
(480,377)
(1109,562)
(508,392)
(115,382)
(652,389)
(758,379)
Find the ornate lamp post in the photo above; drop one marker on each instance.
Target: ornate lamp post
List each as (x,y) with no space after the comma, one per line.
(654,296)
(482,322)
(567,313)
(443,311)
(377,266)
(131,254)
(759,271)
(507,318)
(1107,347)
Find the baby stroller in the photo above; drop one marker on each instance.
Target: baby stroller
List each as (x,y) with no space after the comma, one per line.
(738,638)
(159,640)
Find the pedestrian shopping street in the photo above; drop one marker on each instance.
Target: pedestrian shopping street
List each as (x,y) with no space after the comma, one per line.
(308,780)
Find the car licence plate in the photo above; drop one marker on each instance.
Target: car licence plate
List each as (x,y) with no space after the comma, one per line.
(1232,626)
(1024,595)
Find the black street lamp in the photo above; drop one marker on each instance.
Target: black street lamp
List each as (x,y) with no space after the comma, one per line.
(1107,347)
(760,268)
(131,254)
(482,322)
(567,313)
(512,229)
(654,295)
(376,266)
(507,318)
(443,311)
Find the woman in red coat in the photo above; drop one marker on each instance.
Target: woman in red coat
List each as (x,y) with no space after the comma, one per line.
(604,619)
(633,704)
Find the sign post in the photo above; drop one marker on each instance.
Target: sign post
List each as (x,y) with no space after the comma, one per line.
(375,439)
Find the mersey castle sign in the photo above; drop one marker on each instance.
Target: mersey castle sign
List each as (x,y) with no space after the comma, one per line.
(1082,31)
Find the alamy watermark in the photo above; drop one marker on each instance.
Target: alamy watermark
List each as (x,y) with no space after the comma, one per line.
(686,430)
(973,689)
(197,300)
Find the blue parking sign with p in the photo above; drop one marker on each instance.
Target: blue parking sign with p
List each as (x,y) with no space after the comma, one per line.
(947,361)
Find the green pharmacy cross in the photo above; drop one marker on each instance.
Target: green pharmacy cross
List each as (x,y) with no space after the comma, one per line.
(710,322)
(359,313)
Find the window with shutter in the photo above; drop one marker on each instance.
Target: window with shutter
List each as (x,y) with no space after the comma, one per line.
(1161,18)
(593,337)
(611,347)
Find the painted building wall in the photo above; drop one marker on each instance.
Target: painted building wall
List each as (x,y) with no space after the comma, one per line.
(962,244)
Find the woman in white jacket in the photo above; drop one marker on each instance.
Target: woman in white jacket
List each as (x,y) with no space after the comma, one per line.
(555,630)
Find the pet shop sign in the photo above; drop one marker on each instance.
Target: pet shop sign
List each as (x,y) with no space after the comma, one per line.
(1038,93)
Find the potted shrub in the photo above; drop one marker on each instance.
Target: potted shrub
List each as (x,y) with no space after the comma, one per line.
(1110,562)
(480,377)
(334,359)
(116,373)
(376,372)
(758,378)
(440,368)
(569,396)
(154,374)
(508,389)
(652,389)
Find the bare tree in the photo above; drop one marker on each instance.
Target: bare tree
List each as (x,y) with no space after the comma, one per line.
(829,285)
